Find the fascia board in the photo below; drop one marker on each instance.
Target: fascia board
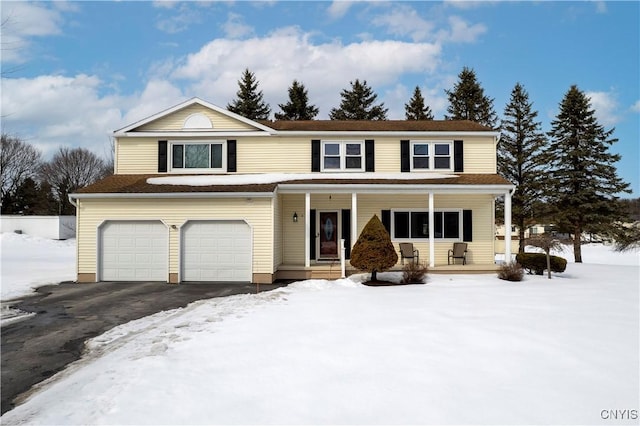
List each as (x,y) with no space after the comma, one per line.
(177,134)
(174,195)
(393,188)
(383,133)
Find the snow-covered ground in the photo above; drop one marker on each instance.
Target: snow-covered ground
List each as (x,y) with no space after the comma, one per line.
(462,349)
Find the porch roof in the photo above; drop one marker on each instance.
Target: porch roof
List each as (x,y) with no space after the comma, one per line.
(144,184)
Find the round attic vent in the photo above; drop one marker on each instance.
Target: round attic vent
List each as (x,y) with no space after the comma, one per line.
(197,121)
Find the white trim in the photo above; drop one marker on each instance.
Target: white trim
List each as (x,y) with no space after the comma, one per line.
(399,133)
(338,232)
(432,231)
(175,195)
(179,134)
(188,103)
(431,155)
(342,188)
(307,229)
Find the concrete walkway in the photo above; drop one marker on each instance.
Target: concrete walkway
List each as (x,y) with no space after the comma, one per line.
(38,346)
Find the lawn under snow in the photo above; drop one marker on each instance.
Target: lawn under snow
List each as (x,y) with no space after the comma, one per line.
(462,349)
(29,262)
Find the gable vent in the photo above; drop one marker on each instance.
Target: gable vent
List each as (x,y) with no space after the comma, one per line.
(197,121)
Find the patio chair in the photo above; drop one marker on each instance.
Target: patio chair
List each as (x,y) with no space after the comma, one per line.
(459,251)
(408,252)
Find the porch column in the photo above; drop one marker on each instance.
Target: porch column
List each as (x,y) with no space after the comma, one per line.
(307,229)
(432,231)
(354,218)
(507,227)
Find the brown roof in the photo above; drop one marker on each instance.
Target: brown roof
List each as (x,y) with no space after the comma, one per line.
(137,184)
(377,126)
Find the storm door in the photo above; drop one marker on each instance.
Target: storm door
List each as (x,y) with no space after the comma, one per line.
(328,238)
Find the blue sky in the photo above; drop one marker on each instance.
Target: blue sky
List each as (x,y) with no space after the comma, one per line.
(75,71)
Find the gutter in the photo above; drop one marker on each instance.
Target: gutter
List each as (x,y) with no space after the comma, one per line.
(150,195)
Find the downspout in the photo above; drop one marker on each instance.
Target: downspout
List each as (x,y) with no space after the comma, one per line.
(74,204)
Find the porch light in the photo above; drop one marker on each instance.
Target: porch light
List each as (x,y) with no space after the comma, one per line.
(295,216)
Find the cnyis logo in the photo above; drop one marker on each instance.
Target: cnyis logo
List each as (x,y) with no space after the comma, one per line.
(619,414)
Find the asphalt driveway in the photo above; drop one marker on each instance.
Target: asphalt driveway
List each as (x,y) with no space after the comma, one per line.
(68,314)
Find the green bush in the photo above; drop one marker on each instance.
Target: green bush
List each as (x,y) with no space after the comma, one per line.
(536,263)
(511,272)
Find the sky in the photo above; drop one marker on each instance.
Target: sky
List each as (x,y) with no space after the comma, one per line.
(73,72)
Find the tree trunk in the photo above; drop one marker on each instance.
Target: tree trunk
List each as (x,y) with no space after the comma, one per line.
(374,275)
(548,263)
(577,246)
(521,237)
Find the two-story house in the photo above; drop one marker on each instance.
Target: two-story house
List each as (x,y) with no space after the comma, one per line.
(202,194)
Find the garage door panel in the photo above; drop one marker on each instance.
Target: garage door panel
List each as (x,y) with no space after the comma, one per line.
(216,251)
(133,251)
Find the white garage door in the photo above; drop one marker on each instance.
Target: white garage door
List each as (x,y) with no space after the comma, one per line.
(216,251)
(133,251)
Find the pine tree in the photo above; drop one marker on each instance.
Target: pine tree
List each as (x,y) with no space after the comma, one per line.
(249,102)
(374,251)
(298,107)
(583,180)
(416,109)
(467,101)
(358,104)
(521,158)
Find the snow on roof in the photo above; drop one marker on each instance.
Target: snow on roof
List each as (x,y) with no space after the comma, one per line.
(266,178)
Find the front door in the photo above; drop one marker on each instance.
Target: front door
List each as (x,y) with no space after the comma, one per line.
(328,226)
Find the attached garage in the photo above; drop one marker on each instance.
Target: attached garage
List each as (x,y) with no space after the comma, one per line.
(133,250)
(216,250)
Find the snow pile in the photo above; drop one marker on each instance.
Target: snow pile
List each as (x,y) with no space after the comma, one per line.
(266,178)
(29,262)
(462,349)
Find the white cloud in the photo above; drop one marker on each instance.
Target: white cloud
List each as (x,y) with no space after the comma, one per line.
(339,8)
(606,107)
(324,68)
(183,15)
(636,107)
(601,6)
(235,27)
(405,21)
(21,21)
(54,111)
(461,32)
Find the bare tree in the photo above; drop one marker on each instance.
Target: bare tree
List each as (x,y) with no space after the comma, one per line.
(18,161)
(548,242)
(69,170)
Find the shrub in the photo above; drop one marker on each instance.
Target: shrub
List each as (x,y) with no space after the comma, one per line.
(536,263)
(414,273)
(374,251)
(511,272)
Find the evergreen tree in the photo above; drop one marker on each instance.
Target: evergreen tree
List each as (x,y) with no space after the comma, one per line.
(374,251)
(358,104)
(416,109)
(583,180)
(249,102)
(467,101)
(521,157)
(298,107)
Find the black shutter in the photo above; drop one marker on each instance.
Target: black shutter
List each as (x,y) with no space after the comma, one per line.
(346,232)
(312,234)
(369,156)
(386,220)
(231,156)
(458,156)
(162,156)
(405,156)
(467,225)
(315,155)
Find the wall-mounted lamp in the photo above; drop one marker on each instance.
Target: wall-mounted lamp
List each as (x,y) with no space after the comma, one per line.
(295,216)
(174,227)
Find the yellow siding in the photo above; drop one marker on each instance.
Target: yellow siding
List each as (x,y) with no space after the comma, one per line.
(137,156)
(277,232)
(293,155)
(293,235)
(256,212)
(176,120)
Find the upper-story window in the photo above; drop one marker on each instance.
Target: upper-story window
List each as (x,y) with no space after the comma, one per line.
(198,156)
(431,155)
(342,156)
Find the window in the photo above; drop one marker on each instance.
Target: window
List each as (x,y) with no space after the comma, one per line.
(431,155)
(342,156)
(198,156)
(415,225)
